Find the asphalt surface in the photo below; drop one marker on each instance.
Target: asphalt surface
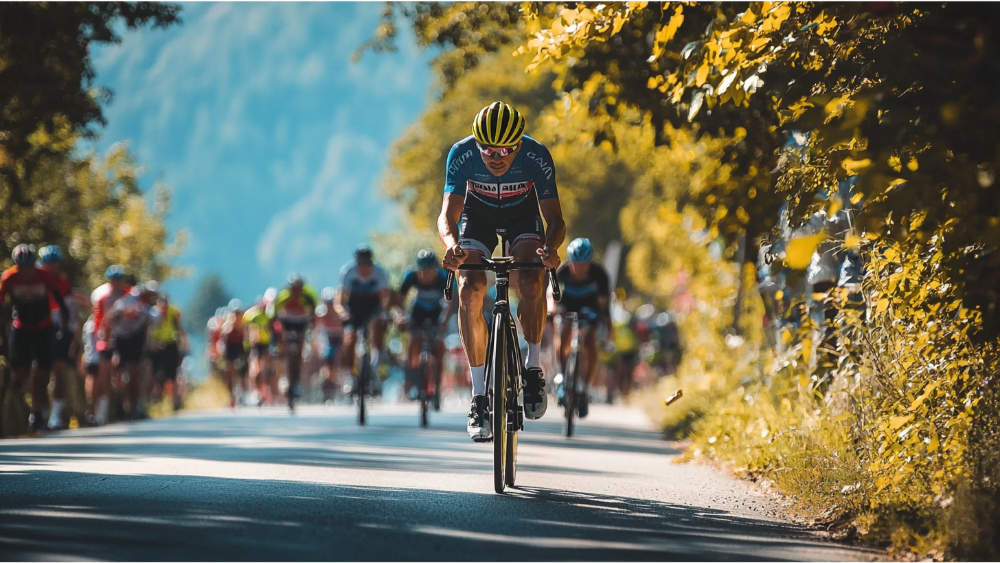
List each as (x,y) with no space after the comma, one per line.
(261,485)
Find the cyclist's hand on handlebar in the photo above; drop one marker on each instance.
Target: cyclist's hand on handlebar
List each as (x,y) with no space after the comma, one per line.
(454,257)
(550,257)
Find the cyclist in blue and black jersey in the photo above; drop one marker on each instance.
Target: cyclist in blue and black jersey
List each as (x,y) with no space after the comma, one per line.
(586,291)
(500,178)
(364,299)
(427,311)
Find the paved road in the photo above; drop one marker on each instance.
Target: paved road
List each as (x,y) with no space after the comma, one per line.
(260,485)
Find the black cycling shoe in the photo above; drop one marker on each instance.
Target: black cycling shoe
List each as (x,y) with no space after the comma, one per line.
(479,420)
(536,401)
(582,405)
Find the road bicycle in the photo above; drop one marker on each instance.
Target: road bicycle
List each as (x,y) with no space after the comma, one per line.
(293,354)
(363,354)
(429,372)
(503,363)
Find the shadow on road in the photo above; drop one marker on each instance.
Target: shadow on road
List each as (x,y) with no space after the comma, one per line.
(79,515)
(386,444)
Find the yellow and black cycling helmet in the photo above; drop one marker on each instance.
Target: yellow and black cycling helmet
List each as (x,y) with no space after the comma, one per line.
(498,125)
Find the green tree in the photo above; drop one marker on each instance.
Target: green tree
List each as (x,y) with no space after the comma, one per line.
(209,296)
(46,75)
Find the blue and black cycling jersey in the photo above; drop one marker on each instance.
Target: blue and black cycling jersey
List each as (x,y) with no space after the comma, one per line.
(509,201)
(429,296)
(577,294)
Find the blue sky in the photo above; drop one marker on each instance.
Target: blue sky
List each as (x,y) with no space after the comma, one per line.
(272,141)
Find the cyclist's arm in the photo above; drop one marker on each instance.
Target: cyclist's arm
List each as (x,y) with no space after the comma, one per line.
(340,303)
(451,212)
(555,226)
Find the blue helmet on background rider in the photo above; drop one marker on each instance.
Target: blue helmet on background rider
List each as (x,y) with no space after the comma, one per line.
(426,259)
(50,254)
(580,250)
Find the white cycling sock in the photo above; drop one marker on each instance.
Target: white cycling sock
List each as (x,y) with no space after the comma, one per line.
(55,417)
(534,359)
(101,415)
(478,380)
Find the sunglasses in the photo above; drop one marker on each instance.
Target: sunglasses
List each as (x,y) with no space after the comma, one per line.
(502,151)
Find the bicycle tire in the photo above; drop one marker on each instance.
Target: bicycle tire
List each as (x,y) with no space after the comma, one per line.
(363,388)
(569,388)
(513,360)
(499,400)
(422,392)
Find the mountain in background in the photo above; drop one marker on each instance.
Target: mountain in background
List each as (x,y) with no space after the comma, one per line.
(271,139)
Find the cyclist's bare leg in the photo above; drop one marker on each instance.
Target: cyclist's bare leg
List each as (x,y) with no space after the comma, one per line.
(472,288)
(564,336)
(528,284)
(413,350)
(437,350)
(347,350)
(39,389)
(230,379)
(589,360)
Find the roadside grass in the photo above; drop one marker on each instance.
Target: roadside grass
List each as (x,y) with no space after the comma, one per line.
(894,441)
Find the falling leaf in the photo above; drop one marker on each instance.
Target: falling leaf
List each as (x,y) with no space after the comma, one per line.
(696,101)
(799,253)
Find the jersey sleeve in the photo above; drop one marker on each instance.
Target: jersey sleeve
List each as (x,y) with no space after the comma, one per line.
(543,171)
(603,281)
(457,169)
(408,281)
(383,280)
(344,274)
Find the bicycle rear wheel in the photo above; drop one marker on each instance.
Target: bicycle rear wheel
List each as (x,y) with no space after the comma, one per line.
(498,363)
(363,388)
(425,397)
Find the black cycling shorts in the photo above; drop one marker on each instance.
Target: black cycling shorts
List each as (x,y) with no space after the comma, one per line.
(479,229)
(130,348)
(421,319)
(26,346)
(361,313)
(572,305)
(166,361)
(234,351)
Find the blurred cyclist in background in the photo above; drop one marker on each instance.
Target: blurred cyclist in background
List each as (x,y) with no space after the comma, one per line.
(103,299)
(258,334)
(127,322)
(333,336)
(426,316)
(167,338)
(32,332)
(233,335)
(66,340)
(364,297)
(293,310)
(586,291)
(215,348)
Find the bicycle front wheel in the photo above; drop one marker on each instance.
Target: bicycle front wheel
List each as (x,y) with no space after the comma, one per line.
(569,389)
(498,364)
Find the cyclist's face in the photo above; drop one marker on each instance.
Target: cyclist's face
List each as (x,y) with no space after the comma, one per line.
(579,269)
(499,165)
(365,270)
(425,275)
